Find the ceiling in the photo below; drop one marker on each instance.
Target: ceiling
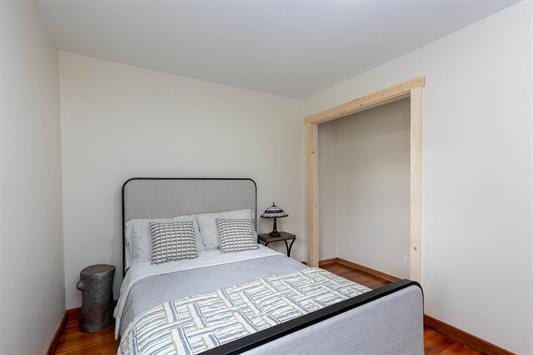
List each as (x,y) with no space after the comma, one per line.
(291,48)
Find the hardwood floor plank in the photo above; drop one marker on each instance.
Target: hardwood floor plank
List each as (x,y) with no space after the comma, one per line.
(106,348)
(76,342)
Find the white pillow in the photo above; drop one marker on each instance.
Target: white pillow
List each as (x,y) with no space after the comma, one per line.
(208,226)
(139,237)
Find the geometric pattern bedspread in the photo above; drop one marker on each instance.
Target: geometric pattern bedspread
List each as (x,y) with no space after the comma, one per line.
(197,323)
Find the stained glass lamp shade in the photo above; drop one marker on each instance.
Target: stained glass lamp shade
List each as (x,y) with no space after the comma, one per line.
(274,212)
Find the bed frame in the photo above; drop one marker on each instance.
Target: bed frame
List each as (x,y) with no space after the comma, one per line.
(385,320)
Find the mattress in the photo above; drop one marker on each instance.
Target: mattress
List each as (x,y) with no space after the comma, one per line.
(206,321)
(146,285)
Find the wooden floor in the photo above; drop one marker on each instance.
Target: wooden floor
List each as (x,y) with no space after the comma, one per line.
(74,342)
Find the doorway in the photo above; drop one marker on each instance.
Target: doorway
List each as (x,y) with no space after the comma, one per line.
(410,90)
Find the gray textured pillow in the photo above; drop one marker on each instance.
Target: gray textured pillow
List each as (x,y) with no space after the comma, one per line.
(173,241)
(236,234)
(208,226)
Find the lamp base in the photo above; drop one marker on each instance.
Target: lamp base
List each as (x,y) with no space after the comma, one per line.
(274,232)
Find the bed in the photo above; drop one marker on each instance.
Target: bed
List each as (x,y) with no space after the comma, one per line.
(253,301)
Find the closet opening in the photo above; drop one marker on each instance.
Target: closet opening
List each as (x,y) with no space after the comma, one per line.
(364,182)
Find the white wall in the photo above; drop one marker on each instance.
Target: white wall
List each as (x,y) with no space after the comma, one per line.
(31,244)
(368,168)
(475,172)
(120,121)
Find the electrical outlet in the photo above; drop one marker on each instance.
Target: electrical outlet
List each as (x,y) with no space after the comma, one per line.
(407,261)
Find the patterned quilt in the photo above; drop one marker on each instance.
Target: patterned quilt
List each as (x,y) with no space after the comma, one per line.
(197,323)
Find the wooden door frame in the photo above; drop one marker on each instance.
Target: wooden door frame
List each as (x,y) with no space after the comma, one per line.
(410,88)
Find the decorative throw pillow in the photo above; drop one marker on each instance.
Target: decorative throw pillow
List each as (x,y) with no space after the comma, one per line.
(208,227)
(236,235)
(139,237)
(173,241)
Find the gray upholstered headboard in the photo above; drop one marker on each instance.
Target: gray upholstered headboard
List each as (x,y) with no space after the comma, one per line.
(170,197)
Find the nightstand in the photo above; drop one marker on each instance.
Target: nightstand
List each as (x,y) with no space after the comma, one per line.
(266,238)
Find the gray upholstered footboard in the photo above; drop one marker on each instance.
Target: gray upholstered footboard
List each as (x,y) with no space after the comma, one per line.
(392,324)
